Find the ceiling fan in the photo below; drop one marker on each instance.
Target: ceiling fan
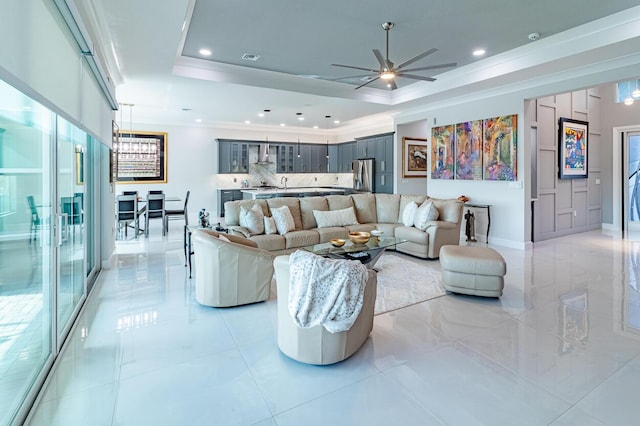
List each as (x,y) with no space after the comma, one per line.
(388,71)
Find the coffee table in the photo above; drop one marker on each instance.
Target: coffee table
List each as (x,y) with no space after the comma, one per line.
(368,253)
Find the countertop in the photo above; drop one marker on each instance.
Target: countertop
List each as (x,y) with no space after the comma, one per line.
(293,191)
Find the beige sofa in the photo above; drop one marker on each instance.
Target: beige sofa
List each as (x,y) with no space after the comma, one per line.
(381,211)
(315,345)
(230,273)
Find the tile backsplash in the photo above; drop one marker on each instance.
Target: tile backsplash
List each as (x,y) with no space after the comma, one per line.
(258,172)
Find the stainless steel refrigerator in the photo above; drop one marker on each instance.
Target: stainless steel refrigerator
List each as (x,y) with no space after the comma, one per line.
(363,175)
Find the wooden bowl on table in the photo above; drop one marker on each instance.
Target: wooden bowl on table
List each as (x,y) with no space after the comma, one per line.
(359,237)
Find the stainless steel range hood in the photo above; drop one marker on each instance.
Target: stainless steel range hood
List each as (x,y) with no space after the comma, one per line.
(263,154)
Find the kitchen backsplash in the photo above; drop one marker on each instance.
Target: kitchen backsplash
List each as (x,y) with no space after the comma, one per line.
(264,172)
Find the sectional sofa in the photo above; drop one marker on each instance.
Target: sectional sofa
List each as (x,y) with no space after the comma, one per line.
(381,211)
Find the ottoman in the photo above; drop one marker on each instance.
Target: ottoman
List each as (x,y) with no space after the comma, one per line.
(478,271)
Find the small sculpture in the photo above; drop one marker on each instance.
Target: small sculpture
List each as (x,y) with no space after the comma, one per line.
(470,229)
(204,219)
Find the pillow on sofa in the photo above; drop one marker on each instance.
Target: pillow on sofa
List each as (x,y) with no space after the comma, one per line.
(343,217)
(283,218)
(409,213)
(424,214)
(252,219)
(270,226)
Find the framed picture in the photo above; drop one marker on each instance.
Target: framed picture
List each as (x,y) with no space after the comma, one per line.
(141,157)
(442,152)
(573,151)
(414,157)
(79,166)
(469,150)
(500,148)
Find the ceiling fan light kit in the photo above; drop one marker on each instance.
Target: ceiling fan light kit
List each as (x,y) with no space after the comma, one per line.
(388,71)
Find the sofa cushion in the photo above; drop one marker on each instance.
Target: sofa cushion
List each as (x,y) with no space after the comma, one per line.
(301,238)
(409,213)
(252,219)
(450,210)
(387,208)
(294,208)
(365,205)
(363,227)
(412,234)
(424,214)
(407,198)
(307,206)
(327,234)
(388,229)
(232,210)
(284,220)
(338,202)
(343,217)
(273,242)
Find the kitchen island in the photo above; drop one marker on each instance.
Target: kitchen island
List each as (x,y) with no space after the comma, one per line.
(259,193)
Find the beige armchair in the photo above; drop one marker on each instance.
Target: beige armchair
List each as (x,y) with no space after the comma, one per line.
(230,273)
(315,345)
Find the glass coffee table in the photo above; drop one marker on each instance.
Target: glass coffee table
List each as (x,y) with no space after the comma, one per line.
(368,253)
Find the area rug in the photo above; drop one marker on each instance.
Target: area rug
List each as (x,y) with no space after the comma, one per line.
(404,281)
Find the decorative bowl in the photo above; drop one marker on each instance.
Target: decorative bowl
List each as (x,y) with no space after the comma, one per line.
(359,237)
(463,198)
(377,232)
(337,242)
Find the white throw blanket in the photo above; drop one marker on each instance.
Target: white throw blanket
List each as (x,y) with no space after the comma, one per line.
(325,291)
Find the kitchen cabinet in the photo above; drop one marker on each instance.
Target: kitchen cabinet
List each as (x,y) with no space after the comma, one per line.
(233,156)
(345,156)
(333,163)
(286,155)
(225,195)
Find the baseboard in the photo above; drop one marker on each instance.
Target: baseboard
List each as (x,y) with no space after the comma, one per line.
(108,263)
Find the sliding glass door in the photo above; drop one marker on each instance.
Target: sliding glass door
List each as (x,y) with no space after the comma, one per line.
(27,132)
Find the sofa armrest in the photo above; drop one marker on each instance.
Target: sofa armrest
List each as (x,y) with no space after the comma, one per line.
(440,234)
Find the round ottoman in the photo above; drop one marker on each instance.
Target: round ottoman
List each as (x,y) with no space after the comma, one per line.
(478,271)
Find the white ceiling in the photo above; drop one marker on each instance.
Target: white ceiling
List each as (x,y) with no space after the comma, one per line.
(159,69)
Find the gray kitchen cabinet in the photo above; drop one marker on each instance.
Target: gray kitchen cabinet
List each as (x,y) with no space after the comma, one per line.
(224,157)
(383,183)
(333,164)
(285,158)
(225,195)
(233,156)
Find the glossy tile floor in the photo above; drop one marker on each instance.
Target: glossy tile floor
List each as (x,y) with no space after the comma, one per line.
(561,347)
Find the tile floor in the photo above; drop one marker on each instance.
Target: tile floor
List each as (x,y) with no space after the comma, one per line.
(561,347)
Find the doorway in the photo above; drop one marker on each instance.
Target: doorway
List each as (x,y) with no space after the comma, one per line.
(631,182)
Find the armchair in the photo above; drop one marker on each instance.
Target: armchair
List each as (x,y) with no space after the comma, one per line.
(231,271)
(316,345)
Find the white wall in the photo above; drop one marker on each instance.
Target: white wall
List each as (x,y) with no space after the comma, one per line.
(507,199)
(418,129)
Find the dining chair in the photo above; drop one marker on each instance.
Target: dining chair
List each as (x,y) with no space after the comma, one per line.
(177,214)
(36,220)
(127,214)
(129,192)
(156,191)
(155,210)
(72,207)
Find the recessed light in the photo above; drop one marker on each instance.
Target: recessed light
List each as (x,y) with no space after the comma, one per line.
(389,85)
(636,93)
(315,127)
(628,101)
(534,36)
(261,114)
(198,120)
(282,124)
(301,118)
(479,52)
(186,109)
(336,121)
(204,52)
(247,121)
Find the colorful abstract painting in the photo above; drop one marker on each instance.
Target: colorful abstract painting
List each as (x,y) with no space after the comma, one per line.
(573,148)
(500,144)
(442,152)
(469,150)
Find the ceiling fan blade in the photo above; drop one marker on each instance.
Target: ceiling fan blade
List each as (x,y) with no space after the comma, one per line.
(432,67)
(370,81)
(415,77)
(417,57)
(355,68)
(380,58)
(350,76)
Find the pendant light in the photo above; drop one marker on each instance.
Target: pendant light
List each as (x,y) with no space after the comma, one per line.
(263,150)
(299,114)
(327,117)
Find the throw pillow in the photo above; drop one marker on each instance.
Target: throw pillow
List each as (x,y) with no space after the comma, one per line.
(283,219)
(426,213)
(252,219)
(343,217)
(408,213)
(270,226)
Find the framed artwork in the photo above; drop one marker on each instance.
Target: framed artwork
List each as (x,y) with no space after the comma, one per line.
(414,157)
(79,166)
(442,152)
(469,150)
(141,157)
(499,145)
(574,149)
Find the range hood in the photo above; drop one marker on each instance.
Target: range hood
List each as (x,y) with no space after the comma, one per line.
(263,154)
